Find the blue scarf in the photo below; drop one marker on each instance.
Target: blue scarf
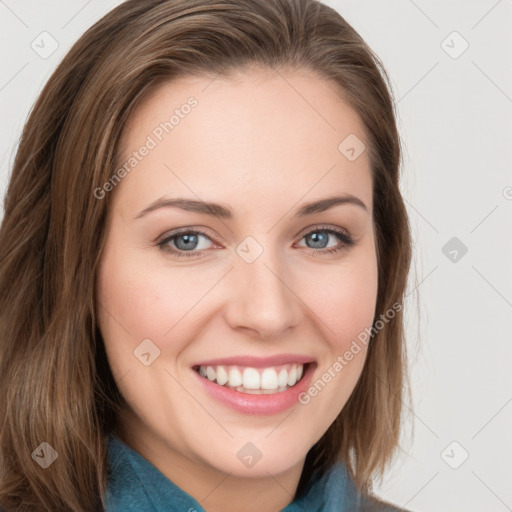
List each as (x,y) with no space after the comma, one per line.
(135,485)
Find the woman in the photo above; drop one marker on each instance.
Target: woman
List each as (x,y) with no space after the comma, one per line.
(203,260)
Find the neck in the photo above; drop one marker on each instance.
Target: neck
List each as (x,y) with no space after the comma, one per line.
(214,490)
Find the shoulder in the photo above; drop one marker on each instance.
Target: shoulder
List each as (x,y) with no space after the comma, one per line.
(341,493)
(374,504)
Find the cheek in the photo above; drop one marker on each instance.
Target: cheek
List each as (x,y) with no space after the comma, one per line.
(146,299)
(136,302)
(347,299)
(347,308)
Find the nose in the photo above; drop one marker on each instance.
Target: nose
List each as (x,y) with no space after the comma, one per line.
(262,298)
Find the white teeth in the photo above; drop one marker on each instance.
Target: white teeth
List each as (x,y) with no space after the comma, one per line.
(222,376)
(235,377)
(260,391)
(292,375)
(269,379)
(251,379)
(211,374)
(254,380)
(283,378)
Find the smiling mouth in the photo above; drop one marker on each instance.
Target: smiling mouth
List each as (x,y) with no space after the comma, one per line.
(246,379)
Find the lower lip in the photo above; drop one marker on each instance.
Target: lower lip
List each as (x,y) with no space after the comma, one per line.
(246,403)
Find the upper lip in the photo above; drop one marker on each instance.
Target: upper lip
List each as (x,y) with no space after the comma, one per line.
(258,362)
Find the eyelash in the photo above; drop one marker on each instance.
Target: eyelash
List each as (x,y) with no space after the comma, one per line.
(346,242)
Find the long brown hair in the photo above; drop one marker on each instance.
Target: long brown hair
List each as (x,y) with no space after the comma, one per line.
(55,381)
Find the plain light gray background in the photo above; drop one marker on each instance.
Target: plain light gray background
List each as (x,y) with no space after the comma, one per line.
(454,106)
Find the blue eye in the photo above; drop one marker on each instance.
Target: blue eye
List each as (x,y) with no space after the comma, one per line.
(321,237)
(185,243)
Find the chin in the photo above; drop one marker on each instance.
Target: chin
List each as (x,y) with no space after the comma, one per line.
(258,459)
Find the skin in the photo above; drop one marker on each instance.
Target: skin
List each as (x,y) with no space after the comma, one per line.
(262,143)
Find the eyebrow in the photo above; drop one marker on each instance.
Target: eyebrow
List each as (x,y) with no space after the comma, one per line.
(224,212)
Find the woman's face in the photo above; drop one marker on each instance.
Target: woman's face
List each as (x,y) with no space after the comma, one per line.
(254,288)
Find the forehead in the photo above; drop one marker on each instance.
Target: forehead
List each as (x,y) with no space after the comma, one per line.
(257,134)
